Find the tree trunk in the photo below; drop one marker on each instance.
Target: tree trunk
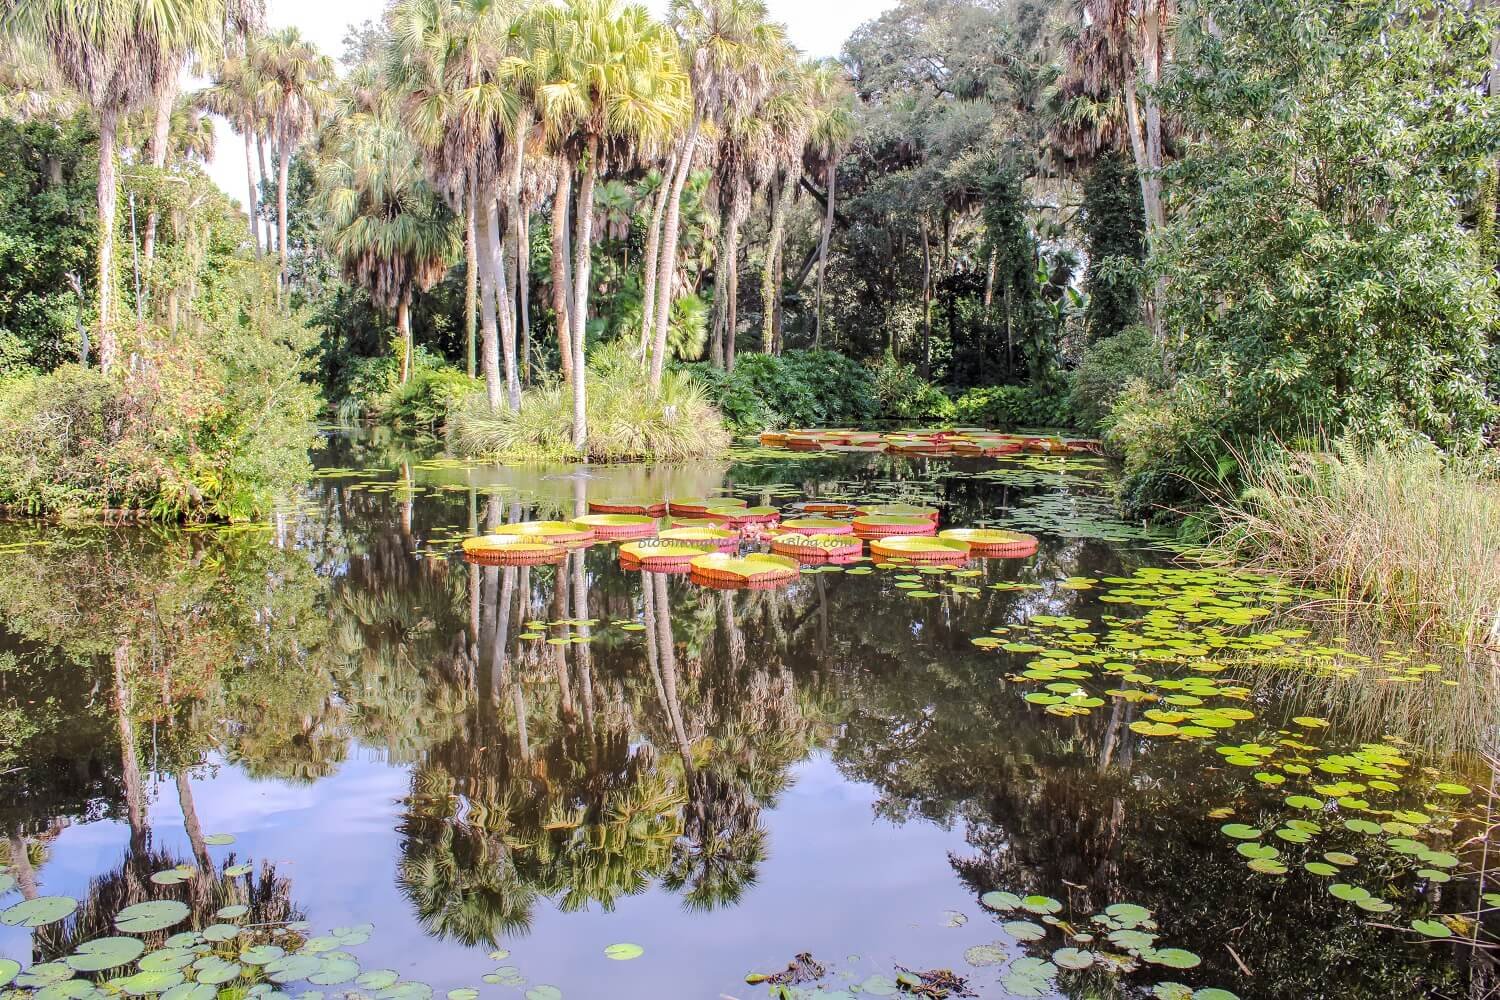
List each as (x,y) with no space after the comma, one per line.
(1150,194)
(106,199)
(156,153)
(191,825)
(770,293)
(489,350)
(283,169)
(561,291)
(732,324)
(260,152)
(20,865)
(666,272)
(926,301)
(471,274)
(721,293)
(251,203)
(833,180)
(130,764)
(505,305)
(653,248)
(582,275)
(403,328)
(523,290)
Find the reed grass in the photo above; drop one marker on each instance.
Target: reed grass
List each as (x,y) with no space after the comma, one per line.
(1398,531)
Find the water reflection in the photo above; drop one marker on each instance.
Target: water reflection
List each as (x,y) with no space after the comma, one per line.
(570,738)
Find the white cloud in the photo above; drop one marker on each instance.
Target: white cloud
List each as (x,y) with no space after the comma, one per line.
(818,27)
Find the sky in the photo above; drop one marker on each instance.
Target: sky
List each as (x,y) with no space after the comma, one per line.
(817,27)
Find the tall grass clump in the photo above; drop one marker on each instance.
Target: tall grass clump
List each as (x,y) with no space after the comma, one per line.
(1395,530)
(626,421)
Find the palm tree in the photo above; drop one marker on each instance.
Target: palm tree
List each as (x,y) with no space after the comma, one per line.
(741,145)
(111,52)
(294,78)
(235,95)
(215,26)
(725,44)
(610,86)
(788,114)
(831,135)
(463,66)
(385,223)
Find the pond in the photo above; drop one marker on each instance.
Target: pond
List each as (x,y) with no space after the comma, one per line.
(325,755)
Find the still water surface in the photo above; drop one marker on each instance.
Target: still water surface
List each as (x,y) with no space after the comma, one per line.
(725,779)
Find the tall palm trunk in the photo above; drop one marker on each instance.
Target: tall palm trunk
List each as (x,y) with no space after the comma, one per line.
(156,153)
(283,169)
(833,181)
(489,350)
(504,305)
(732,322)
(721,294)
(653,248)
(666,270)
(523,289)
(106,198)
(260,152)
(250,202)
(582,275)
(403,328)
(561,290)
(770,292)
(20,865)
(471,274)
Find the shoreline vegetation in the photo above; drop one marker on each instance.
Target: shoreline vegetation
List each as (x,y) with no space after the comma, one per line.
(582,231)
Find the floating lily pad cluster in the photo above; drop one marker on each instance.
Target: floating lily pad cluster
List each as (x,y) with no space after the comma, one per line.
(1122,939)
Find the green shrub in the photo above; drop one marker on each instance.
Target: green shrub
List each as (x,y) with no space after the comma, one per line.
(626,421)
(1107,367)
(1011,406)
(1397,529)
(1174,447)
(795,389)
(172,442)
(374,391)
(426,401)
(902,394)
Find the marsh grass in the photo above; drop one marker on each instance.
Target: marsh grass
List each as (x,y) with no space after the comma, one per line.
(1397,531)
(626,421)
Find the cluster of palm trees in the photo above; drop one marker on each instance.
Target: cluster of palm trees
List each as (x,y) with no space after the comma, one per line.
(477,117)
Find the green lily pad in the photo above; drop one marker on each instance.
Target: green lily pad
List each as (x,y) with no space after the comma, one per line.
(154,915)
(72,989)
(1024,930)
(44,975)
(1040,904)
(378,979)
(219,933)
(1072,958)
(219,839)
(216,971)
(146,983)
(334,971)
(105,953)
(9,967)
(232,912)
(166,959)
(1240,831)
(296,967)
(875,986)
(1002,901)
(39,912)
(624,952)
(262,954)
(1431,928)
(190,991)
(1173,958)
(1348,893)
(546,992)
